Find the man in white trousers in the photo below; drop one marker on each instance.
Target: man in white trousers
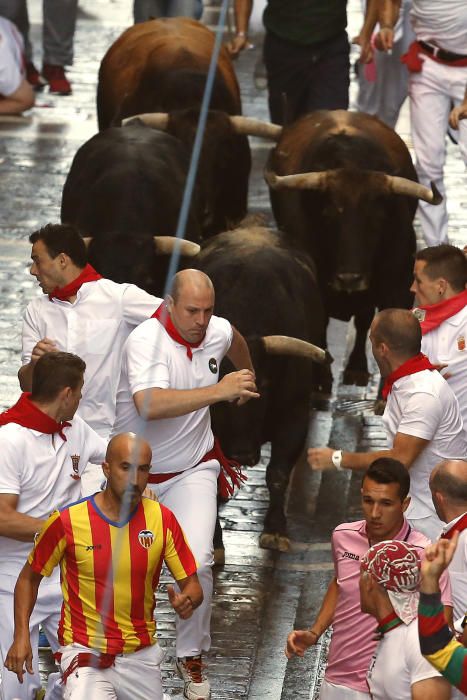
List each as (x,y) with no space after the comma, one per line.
(437,62)
(170,372)
(45,447)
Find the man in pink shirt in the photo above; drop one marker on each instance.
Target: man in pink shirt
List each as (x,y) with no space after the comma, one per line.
(385,489)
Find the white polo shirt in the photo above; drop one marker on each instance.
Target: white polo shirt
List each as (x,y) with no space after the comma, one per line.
(95,328)
(447,345)
(424,405)
(442,22)
(458,573)
(398,664)
(152,359)
(11,58)
(44,471)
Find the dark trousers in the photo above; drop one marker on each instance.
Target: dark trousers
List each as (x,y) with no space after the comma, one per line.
(304,78)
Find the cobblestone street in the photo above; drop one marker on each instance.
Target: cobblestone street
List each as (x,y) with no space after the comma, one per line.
(259,595)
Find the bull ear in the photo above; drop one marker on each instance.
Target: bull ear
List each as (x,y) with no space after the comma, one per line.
(166,245)
(285,345)
(87,241)
(156,120)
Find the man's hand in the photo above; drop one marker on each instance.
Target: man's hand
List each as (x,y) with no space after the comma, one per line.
(19,655)
(385,39)
(457,114)
(319,458)
(438,556)
(238,44)
(239,385)
(41,348)
(181,603)
(366,49)
(298,642)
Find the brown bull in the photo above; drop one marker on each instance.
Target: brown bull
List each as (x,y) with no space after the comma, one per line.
(159,66)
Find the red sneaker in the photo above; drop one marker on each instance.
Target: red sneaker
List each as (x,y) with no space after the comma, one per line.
(55,76)
(33,77)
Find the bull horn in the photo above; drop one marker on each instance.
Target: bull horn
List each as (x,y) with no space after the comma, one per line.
(156,120)
(284,345)
(87,240)
(166,245)
(256,127)
(300,181)
(402,185)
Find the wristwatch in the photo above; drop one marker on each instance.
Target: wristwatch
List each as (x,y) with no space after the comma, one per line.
(336,458)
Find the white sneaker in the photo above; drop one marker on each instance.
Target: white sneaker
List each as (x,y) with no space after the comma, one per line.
(192,672)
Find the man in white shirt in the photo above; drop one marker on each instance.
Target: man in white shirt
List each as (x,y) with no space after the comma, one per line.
(437,62)
(422,417)
(16,94)
(170,372)
(83,313)
(448,484)
(45,447)
(389,579)
(440,278)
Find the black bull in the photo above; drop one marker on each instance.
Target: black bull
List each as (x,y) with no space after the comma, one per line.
(126,185)
(344,189)
(267,290)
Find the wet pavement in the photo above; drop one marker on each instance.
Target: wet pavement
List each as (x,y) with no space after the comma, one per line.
(259,595)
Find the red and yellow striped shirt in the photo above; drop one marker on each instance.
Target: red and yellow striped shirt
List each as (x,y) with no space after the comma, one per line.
(109,571)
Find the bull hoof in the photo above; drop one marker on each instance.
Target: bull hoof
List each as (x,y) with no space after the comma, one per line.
(219,556)
(279,543)
(356,376)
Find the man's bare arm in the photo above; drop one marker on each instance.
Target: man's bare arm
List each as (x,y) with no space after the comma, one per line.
(20,653)
(239,352)
(25,372)
(406,449)
(21,99)
(388,16)
(242,10)
(431,689)
(15,525)
(299,641)
(156,404)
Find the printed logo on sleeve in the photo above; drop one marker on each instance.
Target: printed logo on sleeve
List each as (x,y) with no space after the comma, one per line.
(461,343)
(213,365)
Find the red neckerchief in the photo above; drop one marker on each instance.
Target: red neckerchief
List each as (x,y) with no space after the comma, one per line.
(415,364)
(460,526)
(435,314)
(87,274)
(25,413)
(162,315)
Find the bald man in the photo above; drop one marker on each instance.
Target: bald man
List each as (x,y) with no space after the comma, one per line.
(422,417)
(170,373)
(448,485)
(116,580)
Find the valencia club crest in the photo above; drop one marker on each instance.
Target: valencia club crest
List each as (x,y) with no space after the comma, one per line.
(146,538)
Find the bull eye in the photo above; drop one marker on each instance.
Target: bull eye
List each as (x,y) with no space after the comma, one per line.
(340,210)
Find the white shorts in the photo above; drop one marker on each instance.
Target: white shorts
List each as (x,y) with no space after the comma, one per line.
(135,676)
(330,691)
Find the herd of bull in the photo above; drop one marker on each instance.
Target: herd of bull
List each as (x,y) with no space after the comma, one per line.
(343,192)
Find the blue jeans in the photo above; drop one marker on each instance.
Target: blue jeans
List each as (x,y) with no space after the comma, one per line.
(151,9)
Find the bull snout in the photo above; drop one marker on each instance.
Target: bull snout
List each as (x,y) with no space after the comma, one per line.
(349,282)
